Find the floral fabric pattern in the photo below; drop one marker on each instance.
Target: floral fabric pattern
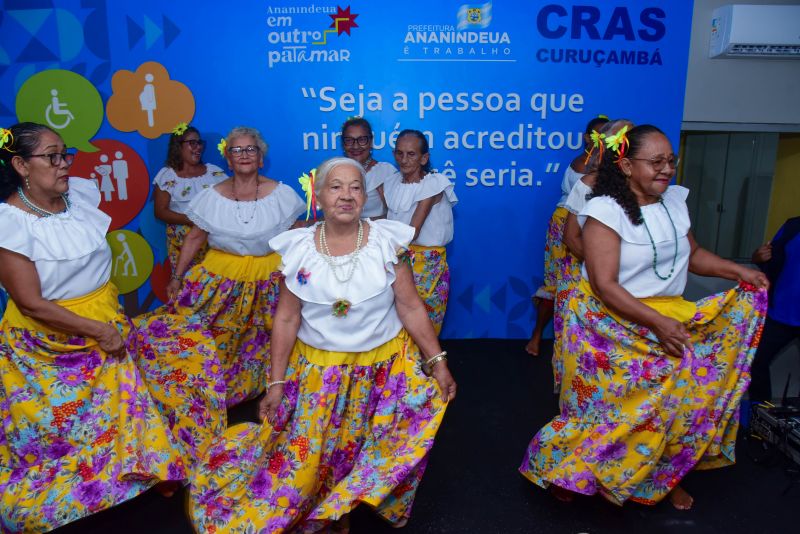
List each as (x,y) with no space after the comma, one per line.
(634,420)
(176,234)
(432,278)
(179,362)
(80,432)
(561,271)
(350,429)
(234,298)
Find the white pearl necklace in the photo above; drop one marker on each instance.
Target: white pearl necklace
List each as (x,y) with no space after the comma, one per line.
(350,260)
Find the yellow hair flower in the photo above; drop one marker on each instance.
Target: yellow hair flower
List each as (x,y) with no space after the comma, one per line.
(6,138)
(222,146)
(180,128)
(597,138)
(307,183)
(618,141)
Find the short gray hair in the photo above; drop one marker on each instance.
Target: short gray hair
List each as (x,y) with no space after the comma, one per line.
(328,165)
(242,131)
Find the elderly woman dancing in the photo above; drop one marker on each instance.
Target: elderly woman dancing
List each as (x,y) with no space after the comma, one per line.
(349,415)
(652,382)
(418,196)
(182,178)
(230,297)
(80,430)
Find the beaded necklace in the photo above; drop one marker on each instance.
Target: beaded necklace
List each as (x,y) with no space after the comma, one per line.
(236,198)
(653,243)
(341,306)
(41,212)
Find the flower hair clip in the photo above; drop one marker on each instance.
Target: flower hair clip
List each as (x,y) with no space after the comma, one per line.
(6,139)
(618,143)
(307,183)
(180,128)
(598,143)
(222,146)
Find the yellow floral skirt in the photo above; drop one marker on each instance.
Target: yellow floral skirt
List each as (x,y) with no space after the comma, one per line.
(635,420)
(80,430)
(178,359)
(352,428)
(432,278)
(234,298)
(176,235)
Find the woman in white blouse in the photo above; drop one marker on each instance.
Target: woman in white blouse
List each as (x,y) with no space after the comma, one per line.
(652,382)
(232,295)
(80,430)
(357,142)
(349,415)
(424,199)
(181,179)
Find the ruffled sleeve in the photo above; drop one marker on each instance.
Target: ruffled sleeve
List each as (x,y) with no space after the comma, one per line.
(292,244)
(165,179)
(435,183)
(202,208)
(604,209)
(378,174)
(73,234)
(393,239)
(289,203)
(84,190)
(577,197)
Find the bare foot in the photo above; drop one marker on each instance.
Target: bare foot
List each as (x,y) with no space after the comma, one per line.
(680,499)
(563,495)
(167,488)
(341,525)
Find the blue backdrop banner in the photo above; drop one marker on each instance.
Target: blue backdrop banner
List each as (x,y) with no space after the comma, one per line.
(502,89)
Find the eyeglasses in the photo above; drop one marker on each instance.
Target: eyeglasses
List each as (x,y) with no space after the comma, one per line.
(194,143)
(350,141)
(660,162)
(239,151)
(56,158)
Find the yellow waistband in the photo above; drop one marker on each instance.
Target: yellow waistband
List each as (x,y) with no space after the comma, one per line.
(675,307)
(243,268)
(420,248)
(100,305)
(370,357)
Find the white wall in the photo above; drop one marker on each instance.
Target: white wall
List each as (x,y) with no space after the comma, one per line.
(738,94)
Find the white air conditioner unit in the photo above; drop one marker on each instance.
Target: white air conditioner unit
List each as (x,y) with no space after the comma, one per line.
(755,31)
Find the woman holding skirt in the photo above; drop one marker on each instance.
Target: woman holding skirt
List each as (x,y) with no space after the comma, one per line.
(230,297)
(652,382)
(349,415)
(80,430)
(424,199)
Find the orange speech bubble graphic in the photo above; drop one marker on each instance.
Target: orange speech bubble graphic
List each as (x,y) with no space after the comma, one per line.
(148,101)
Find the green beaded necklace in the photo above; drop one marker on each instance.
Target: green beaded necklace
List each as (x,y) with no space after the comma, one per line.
(653,243)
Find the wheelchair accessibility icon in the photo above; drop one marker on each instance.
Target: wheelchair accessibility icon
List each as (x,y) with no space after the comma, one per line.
(57,115)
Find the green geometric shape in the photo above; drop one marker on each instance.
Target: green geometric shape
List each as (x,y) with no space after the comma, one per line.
(65,101)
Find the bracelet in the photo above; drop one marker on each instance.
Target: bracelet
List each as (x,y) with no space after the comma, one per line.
(427,366)
(275,383)
(441,356)
(176,276)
